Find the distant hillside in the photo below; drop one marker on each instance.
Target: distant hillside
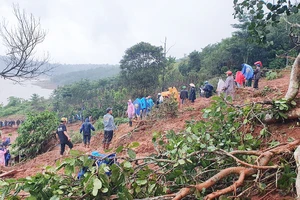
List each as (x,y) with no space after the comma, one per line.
(104,71)
(67,68)
(63,74)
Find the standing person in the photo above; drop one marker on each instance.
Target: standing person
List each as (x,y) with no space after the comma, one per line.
(143,107)
(63,136)
(192,95)
(109,127)
(150,104)
(220,86)
(137,107)
(229,85)
(257,74)
(239,79)
(184,94)
(86,128)
(247,71)
(2,155)
(130,111)
(208,88)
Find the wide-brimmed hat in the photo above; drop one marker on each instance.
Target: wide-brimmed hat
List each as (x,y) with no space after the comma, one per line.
(192,84)
(229,72)
(63,119)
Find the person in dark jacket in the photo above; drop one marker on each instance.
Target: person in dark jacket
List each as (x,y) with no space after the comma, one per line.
(257,74)
(87,128)
(63,136)
(192,95)
(184,94)
(208,88)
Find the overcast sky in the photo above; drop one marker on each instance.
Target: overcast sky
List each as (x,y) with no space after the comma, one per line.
(99,31)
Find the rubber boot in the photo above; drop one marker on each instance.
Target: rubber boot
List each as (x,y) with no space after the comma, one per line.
(130,123)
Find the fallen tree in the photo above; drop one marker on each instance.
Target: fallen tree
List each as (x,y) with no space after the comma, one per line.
(262,161)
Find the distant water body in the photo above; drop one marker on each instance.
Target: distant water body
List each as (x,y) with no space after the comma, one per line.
(24,90)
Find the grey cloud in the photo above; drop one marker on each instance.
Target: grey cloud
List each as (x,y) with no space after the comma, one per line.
(99,31)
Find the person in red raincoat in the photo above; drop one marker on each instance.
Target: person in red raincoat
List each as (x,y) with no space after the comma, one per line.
(239,79)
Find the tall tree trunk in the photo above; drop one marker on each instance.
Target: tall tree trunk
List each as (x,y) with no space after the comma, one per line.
(294,80)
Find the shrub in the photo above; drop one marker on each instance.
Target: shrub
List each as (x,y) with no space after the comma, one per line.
(36,133)
(169,108)
(76,137)
(270,75)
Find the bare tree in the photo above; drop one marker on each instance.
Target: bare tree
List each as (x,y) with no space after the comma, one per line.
(21,41)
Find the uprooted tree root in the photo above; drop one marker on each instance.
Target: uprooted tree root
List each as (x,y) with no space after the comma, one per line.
(264,157)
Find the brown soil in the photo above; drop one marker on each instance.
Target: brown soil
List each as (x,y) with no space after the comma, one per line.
(141,131)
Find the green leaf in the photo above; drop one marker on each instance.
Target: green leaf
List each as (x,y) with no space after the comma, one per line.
(151,188)
(269,6)
(141,182)
(127,165)
(131,153)
(181,161)
(97,185)
(294,9)
(104,190)
(75,153)
(119,149)
(134,145)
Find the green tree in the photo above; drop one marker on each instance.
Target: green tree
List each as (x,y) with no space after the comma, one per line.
(194,60)
(141,66)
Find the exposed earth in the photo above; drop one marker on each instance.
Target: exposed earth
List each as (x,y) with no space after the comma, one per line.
(141,131)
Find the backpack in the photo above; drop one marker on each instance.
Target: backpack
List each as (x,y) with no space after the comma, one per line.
(99,159)
(86,128)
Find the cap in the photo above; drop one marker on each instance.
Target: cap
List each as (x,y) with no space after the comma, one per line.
(192,84)
(206,82)
(183,87)
(108,109)
(63,119)
(229,72)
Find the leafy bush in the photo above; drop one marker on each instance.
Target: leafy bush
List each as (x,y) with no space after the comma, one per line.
(169,108)
(76,137)
(270,75)
(35,133)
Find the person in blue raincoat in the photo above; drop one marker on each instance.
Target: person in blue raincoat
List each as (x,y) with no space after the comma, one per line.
(150,103)
(247,71)
(143,107)
(137,107)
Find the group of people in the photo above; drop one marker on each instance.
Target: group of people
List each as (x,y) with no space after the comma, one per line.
(205,91)
(142,106)
(4,151)
(243,78)
(10,123)
(86,130)
(247,74)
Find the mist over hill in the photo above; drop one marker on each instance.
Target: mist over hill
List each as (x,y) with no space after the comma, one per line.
(63,74)
(91,73)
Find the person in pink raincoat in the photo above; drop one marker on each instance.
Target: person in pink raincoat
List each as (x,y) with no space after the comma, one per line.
(130,111)
(2,156)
